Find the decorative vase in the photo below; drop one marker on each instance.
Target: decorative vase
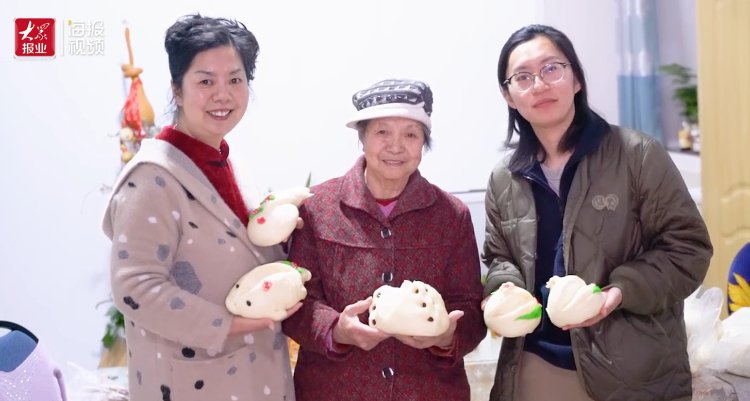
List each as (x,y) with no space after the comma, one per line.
(115,356)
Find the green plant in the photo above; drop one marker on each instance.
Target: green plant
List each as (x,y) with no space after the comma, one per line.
(686,91)
(115,327)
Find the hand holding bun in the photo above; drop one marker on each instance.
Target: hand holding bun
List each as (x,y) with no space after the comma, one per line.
(268,291)
(571,301)
(414,309)
(276,217)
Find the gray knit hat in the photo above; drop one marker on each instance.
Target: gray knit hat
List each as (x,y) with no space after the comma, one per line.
(393,98)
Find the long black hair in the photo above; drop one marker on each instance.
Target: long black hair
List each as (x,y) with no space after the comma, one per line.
(528,147)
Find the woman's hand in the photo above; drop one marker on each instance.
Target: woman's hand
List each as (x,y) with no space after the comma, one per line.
(349,330)
(293,309)
(298,226)
(612,299)
(444,340)
(241,324)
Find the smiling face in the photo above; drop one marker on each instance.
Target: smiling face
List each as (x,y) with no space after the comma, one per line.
(214,95)
(547,107)
(393,151)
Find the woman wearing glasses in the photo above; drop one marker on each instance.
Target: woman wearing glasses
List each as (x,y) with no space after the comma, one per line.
(580,196)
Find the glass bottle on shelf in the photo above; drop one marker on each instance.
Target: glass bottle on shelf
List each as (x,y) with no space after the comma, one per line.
(685,137)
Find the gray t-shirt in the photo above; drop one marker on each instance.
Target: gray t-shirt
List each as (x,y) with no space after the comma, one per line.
(553,177)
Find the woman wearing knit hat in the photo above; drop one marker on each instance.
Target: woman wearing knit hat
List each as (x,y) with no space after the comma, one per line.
(380,224)
(582,197)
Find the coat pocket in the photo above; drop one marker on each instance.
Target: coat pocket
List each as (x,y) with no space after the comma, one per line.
(631,349)
(216,378)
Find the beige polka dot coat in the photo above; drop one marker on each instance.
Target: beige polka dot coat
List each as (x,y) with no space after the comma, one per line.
(177,249)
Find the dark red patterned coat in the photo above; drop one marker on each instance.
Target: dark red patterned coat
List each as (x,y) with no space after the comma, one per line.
(351,248)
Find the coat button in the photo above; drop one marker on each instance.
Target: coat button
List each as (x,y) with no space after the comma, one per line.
(387,277)
(388,373)
(385,232)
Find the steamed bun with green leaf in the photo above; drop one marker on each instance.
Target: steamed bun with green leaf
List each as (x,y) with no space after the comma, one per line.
(512,311)
(571,301)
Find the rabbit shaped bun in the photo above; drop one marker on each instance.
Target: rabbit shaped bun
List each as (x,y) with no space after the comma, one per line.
(571,301)
(512,311)
(268,291)
(276,217)
(414,309)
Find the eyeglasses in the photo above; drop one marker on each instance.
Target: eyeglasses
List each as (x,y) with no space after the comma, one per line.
(550,73)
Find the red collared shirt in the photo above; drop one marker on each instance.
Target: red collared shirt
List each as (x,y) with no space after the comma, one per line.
(214,164)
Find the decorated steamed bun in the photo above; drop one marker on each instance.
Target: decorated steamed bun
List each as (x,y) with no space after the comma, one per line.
(268,291)
(571,301)
(414,309)
(276,217)
(512,311)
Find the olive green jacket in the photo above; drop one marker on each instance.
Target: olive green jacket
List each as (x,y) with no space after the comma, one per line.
(629,222)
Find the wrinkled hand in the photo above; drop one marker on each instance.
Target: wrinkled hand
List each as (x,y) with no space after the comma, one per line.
(612,299)
(349,330)
(245,325)
(443,341)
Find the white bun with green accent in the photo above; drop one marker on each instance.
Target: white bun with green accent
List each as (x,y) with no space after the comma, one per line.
(571,301)
(512,311)
(268,291)
(273,221)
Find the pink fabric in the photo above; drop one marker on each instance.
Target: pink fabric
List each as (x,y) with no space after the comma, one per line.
(387,209)
(37,378)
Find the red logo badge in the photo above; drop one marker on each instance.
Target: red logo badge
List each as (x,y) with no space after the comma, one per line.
(35,37)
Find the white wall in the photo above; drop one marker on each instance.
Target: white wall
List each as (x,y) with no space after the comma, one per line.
(590,25)
(678,43)
(59,117)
